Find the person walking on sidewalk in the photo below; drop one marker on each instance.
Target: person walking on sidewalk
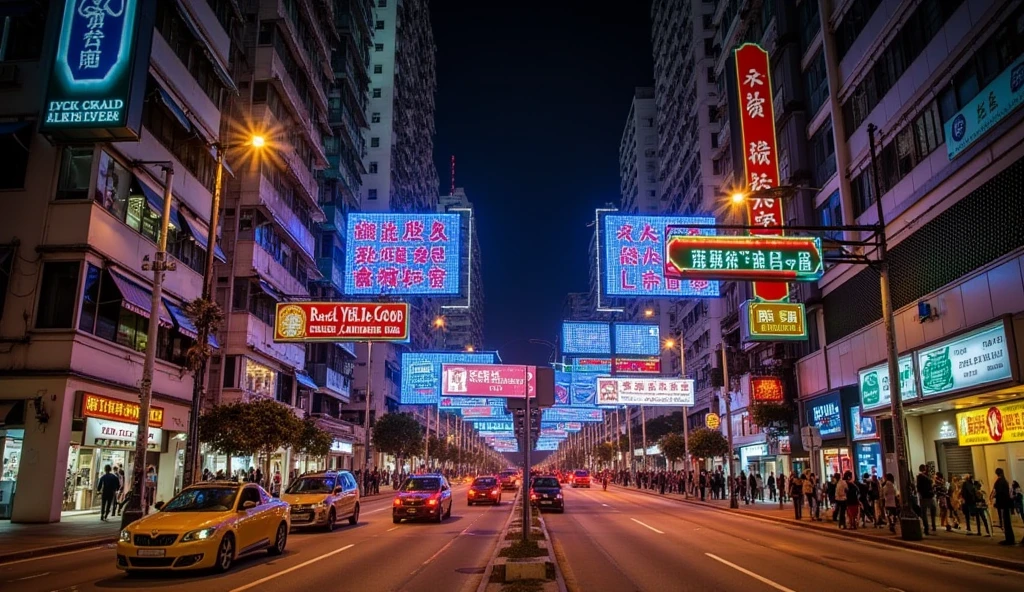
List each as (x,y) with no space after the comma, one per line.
(926,497)
(1004,505)
(941,489)
(796,491)
(980,508)
(888,492)
(842,488)
(107,488)
(955,500)
(771,486)
(1018,501)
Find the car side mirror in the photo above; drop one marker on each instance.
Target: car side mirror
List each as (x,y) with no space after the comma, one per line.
(248,505)
(337,490)
(159,506)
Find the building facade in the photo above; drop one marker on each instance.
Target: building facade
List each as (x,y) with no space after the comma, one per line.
(75,301)
(464,319)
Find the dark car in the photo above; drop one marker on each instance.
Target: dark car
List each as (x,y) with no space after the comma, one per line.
(484,490)
(546,493)
(422,496)
(508,479)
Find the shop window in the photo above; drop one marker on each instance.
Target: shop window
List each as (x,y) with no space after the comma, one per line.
(230,371)
(260,380)
(285,388)
(90,298)
(131,330)
(75,173)
(57,290)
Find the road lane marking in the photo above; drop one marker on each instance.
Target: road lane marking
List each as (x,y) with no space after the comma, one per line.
(757,577)
(390,529)
(45,573)
(291,569)
(17,561)
(375,511)
(647,526)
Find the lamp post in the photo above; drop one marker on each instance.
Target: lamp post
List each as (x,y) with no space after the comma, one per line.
(135,509)
(669,344)
(733,502)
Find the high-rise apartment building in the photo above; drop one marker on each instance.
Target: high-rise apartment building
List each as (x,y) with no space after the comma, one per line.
(464,318)
(638,156)
(80,220)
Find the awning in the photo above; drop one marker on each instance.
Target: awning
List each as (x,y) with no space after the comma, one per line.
(270,290)
(156,201)
(138,299)
(305,380)
(218,68)
(174,108)
(185,325)
(10,127)
(199,232)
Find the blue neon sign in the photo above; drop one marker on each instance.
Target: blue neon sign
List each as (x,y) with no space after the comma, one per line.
(421,374)
(404,254)
(637,340)
(584,337)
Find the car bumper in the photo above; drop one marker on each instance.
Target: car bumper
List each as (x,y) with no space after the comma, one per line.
(549,504)
(482,499)
(179,557)
(308,519)
(415,512)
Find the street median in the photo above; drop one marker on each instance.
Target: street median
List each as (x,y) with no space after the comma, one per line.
(516,562)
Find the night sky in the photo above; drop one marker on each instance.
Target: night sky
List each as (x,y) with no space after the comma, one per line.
(532,100)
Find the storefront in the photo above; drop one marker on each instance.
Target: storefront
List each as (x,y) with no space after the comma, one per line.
(340,456)
(754,459)
(826,414)
(866,444)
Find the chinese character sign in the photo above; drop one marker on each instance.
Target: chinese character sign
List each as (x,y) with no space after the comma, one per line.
(421,374)
(744,257)
(117,410)
(760,153)
(632,252)
(489,380)
(637,339)
(99,67)
(998,424)
(586,338)
(772,321)
(990,106)
(406,254)
(766,389)
(645,391)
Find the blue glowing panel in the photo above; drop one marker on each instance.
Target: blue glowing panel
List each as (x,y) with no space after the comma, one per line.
(633,257)
(421,374)
(637,340)
(584,390)
(563,385)
(586,338)
(410,254)
(560,414)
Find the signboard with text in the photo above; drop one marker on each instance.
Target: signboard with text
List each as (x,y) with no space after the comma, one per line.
(101,407)
(489,380)
(874,384)
(97,83)
(1001,97)
(341,321)
(826,414)
(998,424)
(571,414)
(115,434)
(583,389)
(766,389)
(421,373)
(863,427)
(772,321)
(637,365)
(634,339)
(631,251)
(597,365)
(586,337)
(403,254)
(980,357)
(744,258)
(645,391)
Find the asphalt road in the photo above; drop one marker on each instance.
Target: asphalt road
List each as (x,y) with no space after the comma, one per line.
(627,541)
(372,555)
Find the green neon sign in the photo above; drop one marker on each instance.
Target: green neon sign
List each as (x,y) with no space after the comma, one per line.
(749,258)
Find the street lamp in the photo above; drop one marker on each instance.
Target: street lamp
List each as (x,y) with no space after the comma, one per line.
(648,313)
(470,348)
(668,345)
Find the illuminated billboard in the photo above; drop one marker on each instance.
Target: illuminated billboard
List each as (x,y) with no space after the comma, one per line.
(585,337)
(563,385)
(631,253)
(646,391)
(421,373)
(570,414)
(583,392)
(449,403)
(341,321)
(637,339)
(403,254)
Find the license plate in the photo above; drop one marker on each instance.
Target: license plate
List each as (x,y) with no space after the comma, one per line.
(411,510)
(547,502)
(152,552)
(301,515)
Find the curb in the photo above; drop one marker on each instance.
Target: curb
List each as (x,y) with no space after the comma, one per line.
(559,580)
(486,580)
(55,549)
(951,553)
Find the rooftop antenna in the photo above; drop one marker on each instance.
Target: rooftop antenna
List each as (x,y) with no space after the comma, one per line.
(453,175)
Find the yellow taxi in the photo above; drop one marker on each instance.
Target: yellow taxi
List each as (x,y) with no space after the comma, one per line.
(321,498)
(207,525)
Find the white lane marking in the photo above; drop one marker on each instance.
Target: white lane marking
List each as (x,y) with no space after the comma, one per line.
(291,569)
(17,561)
(647,526)
(757,577)
(390,529)
(375,511)
(606,505)
(441,550)
(45,573)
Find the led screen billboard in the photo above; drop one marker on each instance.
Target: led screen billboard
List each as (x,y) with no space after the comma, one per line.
(570,414)
(584,390)
(584,337)
(403,254)
(631,257)
(637,339)
(421,373)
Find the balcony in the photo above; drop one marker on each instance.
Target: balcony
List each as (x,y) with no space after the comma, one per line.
(337,383)
(250,255)
(247,332)
(267,198)
(331,271)
(269,66)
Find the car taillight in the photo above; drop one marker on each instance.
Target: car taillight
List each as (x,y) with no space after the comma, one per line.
(433,500)
(533,495)
(495,492)
(471,492)
(398,501)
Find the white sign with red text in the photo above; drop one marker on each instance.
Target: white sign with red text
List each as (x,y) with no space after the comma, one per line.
(677,392)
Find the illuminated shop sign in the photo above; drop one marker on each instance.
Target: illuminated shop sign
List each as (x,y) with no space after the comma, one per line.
(826,413)
(421,373)
(637,339)
(874,384)
(1001,97)
(972,360)
(117,410)
(341,321)
(772,321)
(744,258)
(586,338)
(645,391)
(998,424)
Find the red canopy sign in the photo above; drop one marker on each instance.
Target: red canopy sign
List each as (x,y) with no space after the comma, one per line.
(488,380)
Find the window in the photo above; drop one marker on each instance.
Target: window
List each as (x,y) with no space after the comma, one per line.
(57,291)
(378,69)
(382,3)
(376,93)
(706,20)
(816,82)
(823,154)
(853,23)
(374,142)
(709,47)
(375,118)
(15,138)
(284,387)
(379,25)
(378,47)
(75,173)
(371,194)
(830,213)
(863,192)
(373,168)
(189,50)
(230,371)
(808,21)
(711,78)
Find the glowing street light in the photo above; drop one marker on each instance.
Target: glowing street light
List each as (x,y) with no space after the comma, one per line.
(648,313)
(470,348)
(258,141)
(738,198)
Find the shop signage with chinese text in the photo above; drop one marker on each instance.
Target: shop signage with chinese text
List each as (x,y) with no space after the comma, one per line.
(341,321)
(421,373)
(744,258)
(94,405)
(998,424)
(766,389)
(117,434)
(826,414)
(486,380)
(645,391)
(772,321)
(1001,97)
(637,366)
(966,362)
(874,384)
(712,421)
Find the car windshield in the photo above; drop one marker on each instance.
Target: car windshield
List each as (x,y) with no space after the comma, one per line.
(485,482)
(582,474)
(203,499)
(507,474)
(422,484)
(545,482)
(311,485)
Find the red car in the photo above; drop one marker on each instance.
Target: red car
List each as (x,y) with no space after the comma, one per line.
(484,490)
(581,479)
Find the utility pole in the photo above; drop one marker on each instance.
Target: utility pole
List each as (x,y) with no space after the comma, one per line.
(733,502)
(135,509)
(366,418)
(629,436)
(643,430)
(686,421)
(910,525)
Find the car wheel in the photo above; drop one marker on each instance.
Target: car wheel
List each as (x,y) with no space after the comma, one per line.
(225,553)
(354,518)
(448,514)
(440,514)
(280,540)
(396,519)
(470,504)
(332,518)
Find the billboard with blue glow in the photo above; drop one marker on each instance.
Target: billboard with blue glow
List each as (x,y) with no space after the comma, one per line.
(403,254)
(584,389)
(633,339)
(563,385)
(631,257)
(559,414)
(585,337)
(421,373)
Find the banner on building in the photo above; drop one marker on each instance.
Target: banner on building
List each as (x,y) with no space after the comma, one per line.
(646,391)
(766,389)
(772,321)
(966,362)
(421,373)
(490,380)
(747,258)
(341,321)
(998,424)
(874,384)
(637,365)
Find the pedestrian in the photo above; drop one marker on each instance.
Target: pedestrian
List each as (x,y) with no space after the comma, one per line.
(941,489)
(796,490)
(809,485)
(702,484)
(107,487)
(888,493)
(966,500)
(852,500)
(980,509)
(771,486)
(119,473)
(842,487)
(258,477)
(150,487)
(926,497)
(1004,505)
(781,483)
(1018,499)
(867,506)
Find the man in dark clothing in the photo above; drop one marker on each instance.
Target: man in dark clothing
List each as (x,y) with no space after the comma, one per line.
(771,486)
(926,497)
(1004,505)
(107,488)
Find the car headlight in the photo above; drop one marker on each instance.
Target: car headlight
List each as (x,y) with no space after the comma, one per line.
(199,535)
(126,537)
(559,496)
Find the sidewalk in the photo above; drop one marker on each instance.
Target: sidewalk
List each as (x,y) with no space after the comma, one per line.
(77,531)
(957,544)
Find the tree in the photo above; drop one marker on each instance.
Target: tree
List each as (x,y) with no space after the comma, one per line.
(673,446)
(659,426)
(251,428)
(605,452)
(773,418)
(398,434)
(708,443)
(204,314)
(313,440)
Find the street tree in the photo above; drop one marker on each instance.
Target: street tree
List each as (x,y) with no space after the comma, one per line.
(398,434)
(708,443)
(673,446)
(256,428)
(605,452)
(659,426)
(313,440)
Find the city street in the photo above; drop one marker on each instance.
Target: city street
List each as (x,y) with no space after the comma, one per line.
(626,540)
(373,555)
